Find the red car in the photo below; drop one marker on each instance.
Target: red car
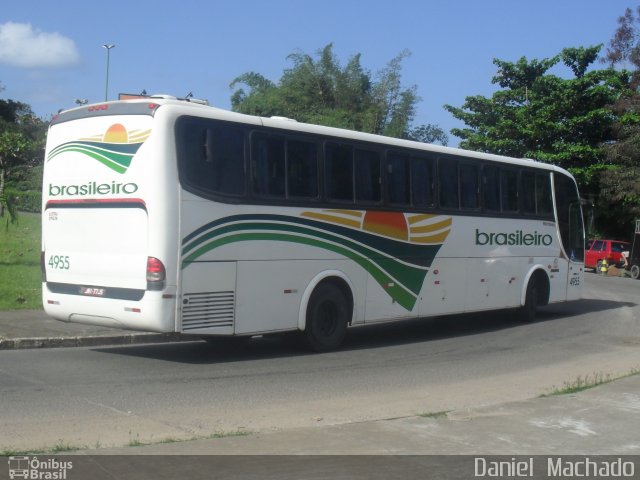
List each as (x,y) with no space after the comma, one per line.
(610,250)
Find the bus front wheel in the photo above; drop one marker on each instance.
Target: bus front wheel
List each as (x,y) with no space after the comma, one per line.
(327,318)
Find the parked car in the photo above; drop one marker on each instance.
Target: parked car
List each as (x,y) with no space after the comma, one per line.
(597,250)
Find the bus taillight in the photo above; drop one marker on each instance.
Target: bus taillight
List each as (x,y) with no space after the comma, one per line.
(156,274)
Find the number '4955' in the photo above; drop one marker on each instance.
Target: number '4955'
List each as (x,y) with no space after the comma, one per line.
(59,262)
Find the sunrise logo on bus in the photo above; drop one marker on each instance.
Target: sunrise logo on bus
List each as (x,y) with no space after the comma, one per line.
(396,249)
(114,149)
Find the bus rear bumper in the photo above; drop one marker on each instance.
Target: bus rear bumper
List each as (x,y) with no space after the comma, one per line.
(154,312)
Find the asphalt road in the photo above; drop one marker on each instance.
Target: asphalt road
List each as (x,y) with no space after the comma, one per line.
(113,396)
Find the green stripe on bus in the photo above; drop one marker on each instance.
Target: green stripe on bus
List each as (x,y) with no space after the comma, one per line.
(398,292)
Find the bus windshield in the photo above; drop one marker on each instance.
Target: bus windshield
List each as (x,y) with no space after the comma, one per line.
(570,222)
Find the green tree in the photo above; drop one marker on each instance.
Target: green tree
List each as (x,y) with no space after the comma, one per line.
(540,115)
(321,91)
(428,134)
(620,184)
(543,116)
(22,137)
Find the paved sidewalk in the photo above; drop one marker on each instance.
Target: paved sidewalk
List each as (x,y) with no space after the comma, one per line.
(604,420)
(34,329)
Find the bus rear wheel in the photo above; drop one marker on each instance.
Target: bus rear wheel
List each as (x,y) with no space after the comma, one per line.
(635,271)
(327,318)
(529,310)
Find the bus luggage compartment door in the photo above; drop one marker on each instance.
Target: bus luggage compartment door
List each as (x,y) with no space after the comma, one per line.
(208,298)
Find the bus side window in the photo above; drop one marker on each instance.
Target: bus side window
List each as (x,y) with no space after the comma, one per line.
(544,203)
(490,185)
(267,161)
(367,176)
(469,186)
(302,169)
(338,171)
(509,190)
(211,156)
(528,192)
(199,169)
(422,182)
(448,183)
(225,151)
(398,188)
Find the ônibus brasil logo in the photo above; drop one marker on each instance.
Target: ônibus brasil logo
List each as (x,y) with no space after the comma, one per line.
(514,239)
(35,469)
(114,149)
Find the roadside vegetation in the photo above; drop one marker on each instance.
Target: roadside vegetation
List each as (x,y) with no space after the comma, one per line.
(65,447)
(580,383)
(60,447)
(435,415)
(20,264)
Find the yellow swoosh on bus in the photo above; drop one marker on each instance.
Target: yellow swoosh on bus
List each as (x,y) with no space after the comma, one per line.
(415,228)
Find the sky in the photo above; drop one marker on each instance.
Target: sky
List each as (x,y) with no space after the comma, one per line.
(51,53)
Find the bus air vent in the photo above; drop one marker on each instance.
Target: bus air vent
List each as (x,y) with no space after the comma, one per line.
(207,310)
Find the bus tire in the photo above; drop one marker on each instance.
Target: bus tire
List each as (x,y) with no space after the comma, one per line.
(635,271)
(327,318)
(529,310)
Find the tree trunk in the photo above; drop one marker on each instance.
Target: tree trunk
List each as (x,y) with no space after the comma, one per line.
(2,196)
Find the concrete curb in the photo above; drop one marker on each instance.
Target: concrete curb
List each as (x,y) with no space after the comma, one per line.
(90,341)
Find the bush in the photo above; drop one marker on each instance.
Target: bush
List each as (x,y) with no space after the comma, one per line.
(25,201)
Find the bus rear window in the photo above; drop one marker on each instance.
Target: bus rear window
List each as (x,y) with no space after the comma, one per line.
(211,156)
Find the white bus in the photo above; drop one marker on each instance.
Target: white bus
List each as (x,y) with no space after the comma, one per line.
(167,215)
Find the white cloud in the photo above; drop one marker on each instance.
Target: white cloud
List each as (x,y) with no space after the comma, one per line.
(23,46)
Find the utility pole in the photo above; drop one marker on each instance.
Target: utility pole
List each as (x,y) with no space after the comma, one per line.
(108,46)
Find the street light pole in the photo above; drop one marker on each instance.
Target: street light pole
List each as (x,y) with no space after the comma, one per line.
(106,88)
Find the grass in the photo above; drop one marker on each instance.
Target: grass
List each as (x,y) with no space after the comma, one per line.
(233,433)
(59,447)
(62,447)
(20,281)
(435,415)
(136,442)
(581,383)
